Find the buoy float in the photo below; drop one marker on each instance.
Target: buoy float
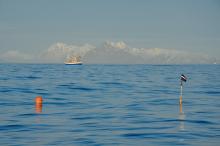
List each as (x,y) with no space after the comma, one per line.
(38,104)
(39,100)
(181,106)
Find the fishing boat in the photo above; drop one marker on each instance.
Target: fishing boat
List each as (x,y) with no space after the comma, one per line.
(73,60)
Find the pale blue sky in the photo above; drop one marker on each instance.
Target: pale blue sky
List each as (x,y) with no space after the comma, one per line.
(31,26)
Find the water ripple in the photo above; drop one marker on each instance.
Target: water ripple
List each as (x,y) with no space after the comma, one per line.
(108,105)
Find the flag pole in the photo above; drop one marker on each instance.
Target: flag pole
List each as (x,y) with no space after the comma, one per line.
(181,93)
(182,79)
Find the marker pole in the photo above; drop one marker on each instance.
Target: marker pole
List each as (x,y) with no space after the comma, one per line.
(181,93)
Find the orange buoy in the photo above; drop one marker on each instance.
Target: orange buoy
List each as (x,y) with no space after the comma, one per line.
(38,104)
(38,100)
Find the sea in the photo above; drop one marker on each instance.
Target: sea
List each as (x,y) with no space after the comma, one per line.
(109,105)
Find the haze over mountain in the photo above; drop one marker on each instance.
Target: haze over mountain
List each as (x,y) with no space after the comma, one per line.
(109,53)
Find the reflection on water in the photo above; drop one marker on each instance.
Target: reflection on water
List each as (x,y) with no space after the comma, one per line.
(182,120)
(38,108)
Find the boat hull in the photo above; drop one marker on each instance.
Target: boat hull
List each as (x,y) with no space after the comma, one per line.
(79,63)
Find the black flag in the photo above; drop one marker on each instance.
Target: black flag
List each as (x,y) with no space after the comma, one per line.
(183,78)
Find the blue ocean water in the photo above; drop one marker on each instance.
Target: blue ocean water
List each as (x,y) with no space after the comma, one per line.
(109,105)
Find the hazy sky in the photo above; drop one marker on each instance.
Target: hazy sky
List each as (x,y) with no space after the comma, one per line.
(29,28)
